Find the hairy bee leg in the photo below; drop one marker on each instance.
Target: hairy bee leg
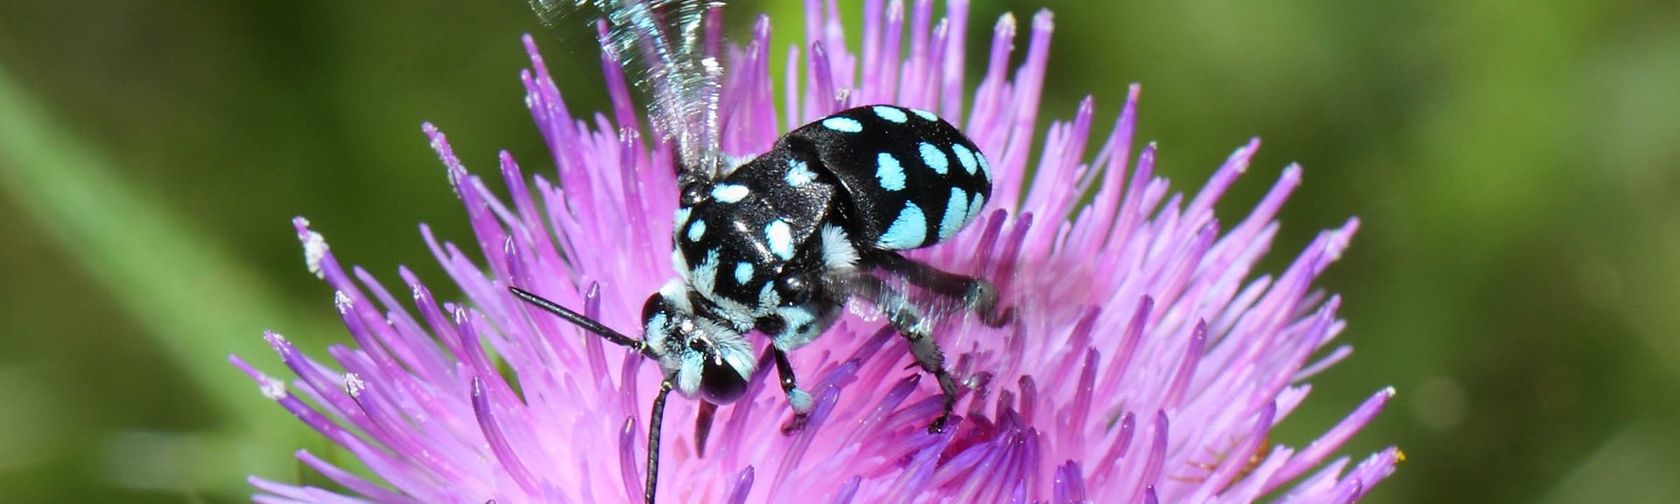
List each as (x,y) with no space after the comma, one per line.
(978,295)
(932,360)
(655,422)
(908,320)
(798,399)
(982,297)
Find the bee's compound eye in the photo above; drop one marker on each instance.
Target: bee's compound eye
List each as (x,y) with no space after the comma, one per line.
(654,306)
(720,383)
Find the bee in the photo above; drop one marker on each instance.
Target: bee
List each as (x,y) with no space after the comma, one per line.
(780,243)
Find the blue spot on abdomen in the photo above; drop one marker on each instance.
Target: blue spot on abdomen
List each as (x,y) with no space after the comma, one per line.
(908,231)
(935,158)
(842,124)
(889,172)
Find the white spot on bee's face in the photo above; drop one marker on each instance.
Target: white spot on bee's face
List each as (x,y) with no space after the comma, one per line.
(892,114)
(842,124)
(743,272)
(799,174)
(889,172)
(780,236)
(688,372)
(730,193)
(934,158)
(908,231)
(956,214)
(735,351)
(654,329)
(696,230)
(924,114)
(965,157)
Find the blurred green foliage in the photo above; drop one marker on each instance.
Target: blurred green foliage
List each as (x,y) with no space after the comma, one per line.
(1516,165)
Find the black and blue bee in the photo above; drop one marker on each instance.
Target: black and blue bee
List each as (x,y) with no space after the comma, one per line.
(779,244)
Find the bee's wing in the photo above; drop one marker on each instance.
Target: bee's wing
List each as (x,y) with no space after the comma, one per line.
(667,48)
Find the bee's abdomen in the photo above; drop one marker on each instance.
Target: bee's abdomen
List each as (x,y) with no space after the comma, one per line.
(909,178)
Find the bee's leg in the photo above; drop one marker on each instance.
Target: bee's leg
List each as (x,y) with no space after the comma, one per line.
(798,399)
(977,294)
(916,329)
(932,360)
(791,334)
(807,307)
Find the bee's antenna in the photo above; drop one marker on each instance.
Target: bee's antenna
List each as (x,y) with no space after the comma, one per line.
(656,422)
(586,323)
(657,419)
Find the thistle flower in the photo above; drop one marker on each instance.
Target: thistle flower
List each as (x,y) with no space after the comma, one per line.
(1145,363)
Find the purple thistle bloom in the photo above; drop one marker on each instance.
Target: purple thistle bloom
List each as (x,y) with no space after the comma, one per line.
(1145,362)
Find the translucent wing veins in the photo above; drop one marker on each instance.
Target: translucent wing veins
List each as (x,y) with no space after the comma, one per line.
(667,48)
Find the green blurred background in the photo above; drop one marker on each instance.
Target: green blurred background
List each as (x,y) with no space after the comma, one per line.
(1516,165)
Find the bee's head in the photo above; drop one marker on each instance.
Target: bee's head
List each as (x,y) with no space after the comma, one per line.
(705,356)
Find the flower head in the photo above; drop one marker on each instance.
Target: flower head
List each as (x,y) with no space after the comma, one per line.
(1146,362)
